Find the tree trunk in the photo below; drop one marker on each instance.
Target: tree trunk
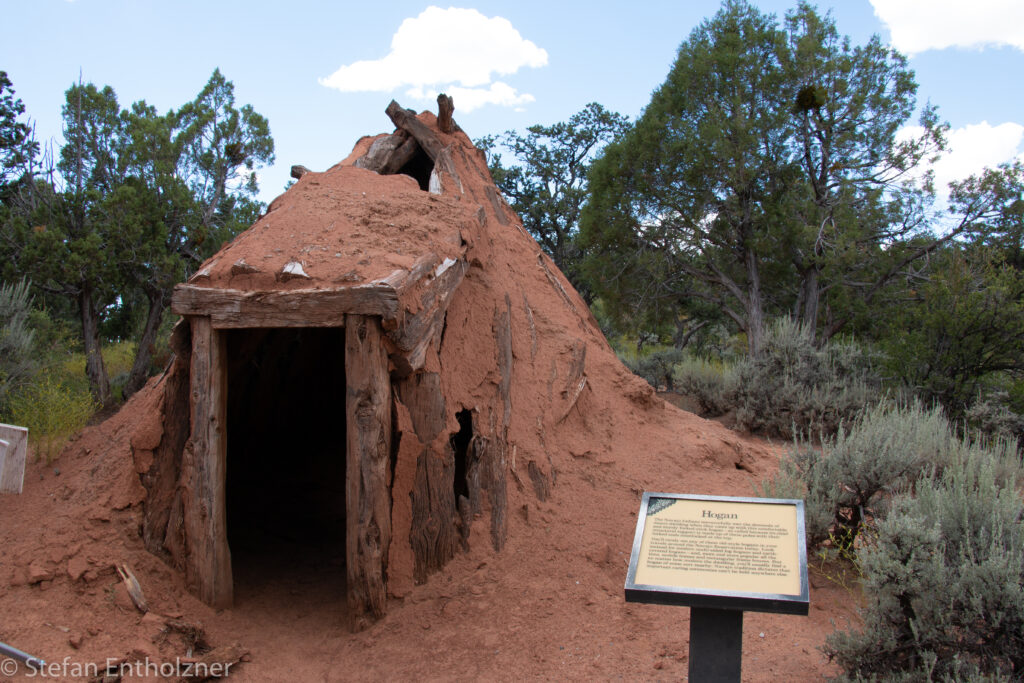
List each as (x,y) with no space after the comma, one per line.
(754,305)
(144,353)
(811,295)
(94,368)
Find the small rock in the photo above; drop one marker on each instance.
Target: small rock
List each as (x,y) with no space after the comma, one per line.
(93,630)
(38,572)
(75,640)
(78,566)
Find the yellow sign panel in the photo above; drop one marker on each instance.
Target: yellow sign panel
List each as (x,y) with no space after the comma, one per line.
(712,545)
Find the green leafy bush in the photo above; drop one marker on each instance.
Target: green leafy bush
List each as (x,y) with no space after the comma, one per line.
(945,577)
(52,410)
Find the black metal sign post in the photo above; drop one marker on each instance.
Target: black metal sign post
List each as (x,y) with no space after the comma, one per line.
(720,556)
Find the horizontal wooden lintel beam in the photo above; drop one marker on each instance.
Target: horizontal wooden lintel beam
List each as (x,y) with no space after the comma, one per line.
(233,308)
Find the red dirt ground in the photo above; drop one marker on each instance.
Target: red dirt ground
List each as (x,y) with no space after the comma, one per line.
(549,606)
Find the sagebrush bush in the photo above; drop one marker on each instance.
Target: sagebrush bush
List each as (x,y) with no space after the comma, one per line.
(993,416)
(658,368)
(945,577)
(709,383)
(52,411)
(793,387)
(17,362)
(855,472)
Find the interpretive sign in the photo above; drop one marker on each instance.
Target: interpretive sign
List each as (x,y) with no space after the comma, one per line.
(12,458)
(720,552)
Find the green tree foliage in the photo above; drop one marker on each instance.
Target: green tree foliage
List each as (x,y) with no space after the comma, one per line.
(145,197)
(547,185)
(960,333)
(764,174)
(18,147)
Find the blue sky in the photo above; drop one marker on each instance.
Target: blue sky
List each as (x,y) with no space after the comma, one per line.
(307,65)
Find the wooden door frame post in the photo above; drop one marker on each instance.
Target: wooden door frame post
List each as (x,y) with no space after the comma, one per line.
(367,467)
(204,469)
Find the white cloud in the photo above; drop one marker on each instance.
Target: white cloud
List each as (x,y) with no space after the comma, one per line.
(468,99)
(972,148)
(918,26)
(452,50)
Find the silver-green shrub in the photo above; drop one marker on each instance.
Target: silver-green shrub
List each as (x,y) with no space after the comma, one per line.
(711,384)
(851,476)
(945,577)
(794,387)
(17,363)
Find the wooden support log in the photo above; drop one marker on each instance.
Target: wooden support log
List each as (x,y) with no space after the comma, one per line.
(298,170)
(368,468)
(400,157)
(161,531)
(378,154)
(405,120)
(445,108)
(413,338)
(290,308)
(496,204)
(203,487)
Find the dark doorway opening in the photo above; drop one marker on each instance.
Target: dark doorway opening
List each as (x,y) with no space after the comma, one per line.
(419,167)
(286,466)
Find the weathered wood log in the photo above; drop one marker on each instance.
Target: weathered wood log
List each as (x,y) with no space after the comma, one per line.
(229,308)
(445,108)
(496,204)
(204,471)
(503,337)
(401,117)
(298,170)
(159,533)
(433,536)
(422,397)
(400,157)
(368,468)
(131,584)
(444,174)
(413,338)
(576,378)
(378,154)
